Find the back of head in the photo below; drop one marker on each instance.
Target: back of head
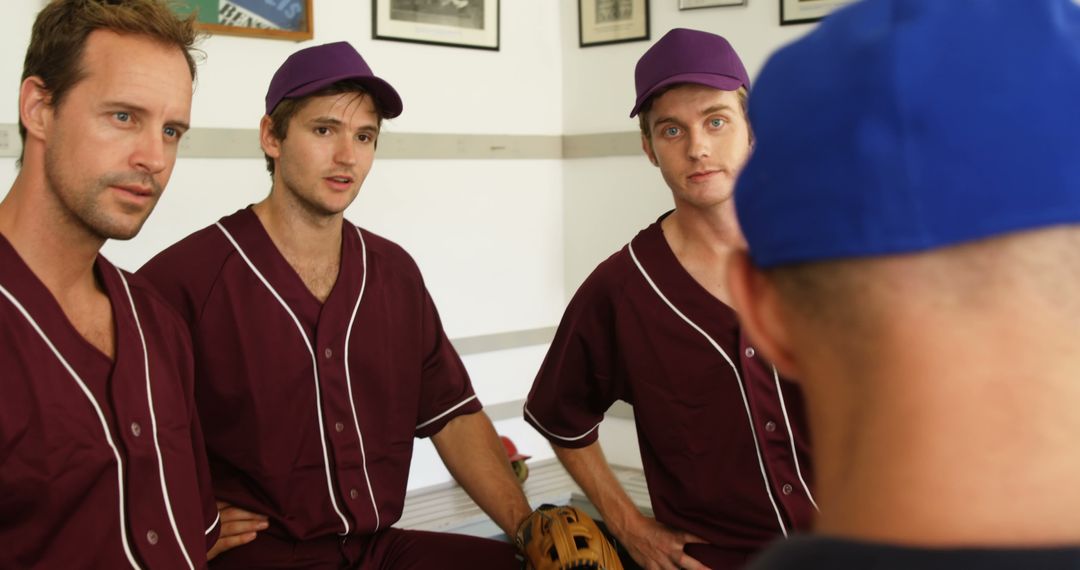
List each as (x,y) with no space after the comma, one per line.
(63,26)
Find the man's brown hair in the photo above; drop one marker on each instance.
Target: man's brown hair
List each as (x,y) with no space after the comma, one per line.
(288,108)
(62,27)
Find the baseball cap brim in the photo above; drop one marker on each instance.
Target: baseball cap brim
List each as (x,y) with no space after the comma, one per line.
(388,99)
(714,80)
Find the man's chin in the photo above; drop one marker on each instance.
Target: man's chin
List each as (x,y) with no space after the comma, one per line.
(119,231)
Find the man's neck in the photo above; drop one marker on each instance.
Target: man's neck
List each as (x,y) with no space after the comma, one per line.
(297,232)
(58,249)
(309,242)
(948,443)
(701,239)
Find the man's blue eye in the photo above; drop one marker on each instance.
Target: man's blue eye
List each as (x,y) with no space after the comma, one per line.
(671,131)
(718,122)
(123,116)
(171,132)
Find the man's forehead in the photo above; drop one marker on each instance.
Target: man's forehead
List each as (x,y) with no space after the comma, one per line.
(348,107)
(692,99)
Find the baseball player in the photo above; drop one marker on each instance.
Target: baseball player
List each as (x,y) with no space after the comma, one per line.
(722,435)
(320,355)
(912,211)
(102,454)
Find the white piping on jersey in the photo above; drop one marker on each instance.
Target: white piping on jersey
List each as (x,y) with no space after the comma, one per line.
(217,519)
(314,371)
(153,425)
(100,415)
(791,438)
(443,415)
(547,431)
(348,377)
(738,379)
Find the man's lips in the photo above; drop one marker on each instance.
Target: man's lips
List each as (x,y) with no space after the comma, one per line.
(340,183)
(703,175)
(141,191)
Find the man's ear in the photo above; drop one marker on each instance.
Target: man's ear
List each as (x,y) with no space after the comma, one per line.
(269,143)
(35,106)
(761,313)
(646,146)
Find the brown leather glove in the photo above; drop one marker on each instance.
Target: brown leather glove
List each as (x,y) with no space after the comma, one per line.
(560,538)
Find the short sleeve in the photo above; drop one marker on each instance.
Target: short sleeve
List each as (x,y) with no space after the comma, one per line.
(579,379)
(446,391)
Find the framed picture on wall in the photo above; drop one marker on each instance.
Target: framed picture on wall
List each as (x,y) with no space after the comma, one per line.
(694,4)
(457,23)
(804,11)
(602,22)
(279,19)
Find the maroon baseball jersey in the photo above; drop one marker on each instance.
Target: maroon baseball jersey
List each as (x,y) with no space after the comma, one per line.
(103,464)
(722,437)
(310,409)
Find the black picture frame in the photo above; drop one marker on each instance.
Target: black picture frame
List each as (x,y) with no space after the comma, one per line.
(699,4)
(606,22)
(472,24)
(794,12)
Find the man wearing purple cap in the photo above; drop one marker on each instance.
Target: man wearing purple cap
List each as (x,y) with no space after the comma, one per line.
(320,355)
(722,436)
(913,225)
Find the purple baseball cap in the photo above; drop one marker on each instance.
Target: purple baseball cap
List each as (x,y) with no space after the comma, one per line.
(314,68)
(688,56)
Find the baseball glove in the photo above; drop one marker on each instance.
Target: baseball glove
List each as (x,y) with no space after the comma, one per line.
(559,538)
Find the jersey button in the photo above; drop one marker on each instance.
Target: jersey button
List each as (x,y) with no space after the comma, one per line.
(749,352)
(353,493)
(151,537)
(136,429)
(770,426)
(340,427)
(328,353)
(787,488)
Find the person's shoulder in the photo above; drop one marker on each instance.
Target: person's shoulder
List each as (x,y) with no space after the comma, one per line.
(388,254)
(191,254)
(197,253)
(610,277)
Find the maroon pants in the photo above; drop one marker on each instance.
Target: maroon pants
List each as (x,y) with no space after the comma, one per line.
(390,549)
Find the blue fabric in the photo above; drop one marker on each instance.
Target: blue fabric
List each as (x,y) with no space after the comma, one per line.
(905,125)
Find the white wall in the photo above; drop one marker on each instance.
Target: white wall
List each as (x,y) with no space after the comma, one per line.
(502,243)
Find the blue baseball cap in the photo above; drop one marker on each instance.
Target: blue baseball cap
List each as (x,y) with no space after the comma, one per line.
(900,126)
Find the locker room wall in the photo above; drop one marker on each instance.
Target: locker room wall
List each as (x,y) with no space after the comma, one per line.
(502,243)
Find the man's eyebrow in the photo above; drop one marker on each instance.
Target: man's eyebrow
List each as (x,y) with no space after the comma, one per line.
(335,122)
(130,107)
(718,108)
(325,121)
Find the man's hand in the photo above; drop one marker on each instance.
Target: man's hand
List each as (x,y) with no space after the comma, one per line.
(655,546)
(238,527)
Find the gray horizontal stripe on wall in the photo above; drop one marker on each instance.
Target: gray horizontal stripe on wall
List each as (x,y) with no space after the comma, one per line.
(244,143)
(503,341)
